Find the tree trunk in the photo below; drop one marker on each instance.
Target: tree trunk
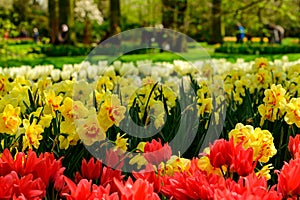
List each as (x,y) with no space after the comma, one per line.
(181,6)
(115,15)
(53,20)
(66,16)
(173,13)
(168,13)
(86,32)
(216,36)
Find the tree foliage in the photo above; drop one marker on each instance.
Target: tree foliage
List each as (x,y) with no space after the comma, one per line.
(205,20)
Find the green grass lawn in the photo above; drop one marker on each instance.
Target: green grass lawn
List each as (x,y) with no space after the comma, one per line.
(157,57)
(22,54)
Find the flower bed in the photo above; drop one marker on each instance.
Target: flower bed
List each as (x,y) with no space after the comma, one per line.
(67,134)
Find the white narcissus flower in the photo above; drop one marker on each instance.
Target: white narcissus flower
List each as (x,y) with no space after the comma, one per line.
(65,75)
(55,75)
(92,72)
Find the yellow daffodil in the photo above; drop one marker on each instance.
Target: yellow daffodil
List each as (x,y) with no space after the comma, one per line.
(274,103)
(111,112)
(204,106)
(265,172)
(139,160)
(5,86)
(175,164)
(71,110)
(52,101)
(104,84)
(10,120)
(205,165)
(121,143)
(260,140)
(32,135)
(69,135)
(261,63)
(293,112)
(157,113)
(44,119)
(89,130)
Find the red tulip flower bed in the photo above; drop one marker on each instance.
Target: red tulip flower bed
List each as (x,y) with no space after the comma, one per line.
(28,176)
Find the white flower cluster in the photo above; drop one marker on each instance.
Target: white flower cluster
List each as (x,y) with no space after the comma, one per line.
(158,71)
(87,10)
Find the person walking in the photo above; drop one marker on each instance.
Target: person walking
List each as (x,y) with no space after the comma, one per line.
(280,34)
(240,35)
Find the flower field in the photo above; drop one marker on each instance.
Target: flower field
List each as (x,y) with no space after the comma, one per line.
(134,131)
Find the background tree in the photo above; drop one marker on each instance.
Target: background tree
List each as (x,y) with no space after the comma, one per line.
(216,28)
(53,20)
(87,11)
(115,15)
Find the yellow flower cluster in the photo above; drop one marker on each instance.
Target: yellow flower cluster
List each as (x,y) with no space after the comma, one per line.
(70,111)
(260,140)
(274,103)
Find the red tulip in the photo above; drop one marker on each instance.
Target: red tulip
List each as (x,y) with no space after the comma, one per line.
(289,179)
(94,170)
(45,166)
(113,159)
(249,187)
(13,187)
(90,170)
(243,161)
(84,190)
(138,190)
(221,153)
(151,176)
(155,152)
(294,146)
(183,186)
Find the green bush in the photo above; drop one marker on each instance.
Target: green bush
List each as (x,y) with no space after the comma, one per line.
(65,50)
(258,49)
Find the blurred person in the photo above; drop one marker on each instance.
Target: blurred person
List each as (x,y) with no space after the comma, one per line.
(36,35)
(63,34)
(240,35)
(279,33)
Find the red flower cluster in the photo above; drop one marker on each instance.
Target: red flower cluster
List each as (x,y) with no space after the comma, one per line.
(155,152)
(236,158)
(111,185)
(151,176)
(94,170)
(84,190)
(27,177)
(138,190)
(201,185)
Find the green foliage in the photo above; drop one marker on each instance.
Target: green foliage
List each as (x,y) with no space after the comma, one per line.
(65,50)
(258,49)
